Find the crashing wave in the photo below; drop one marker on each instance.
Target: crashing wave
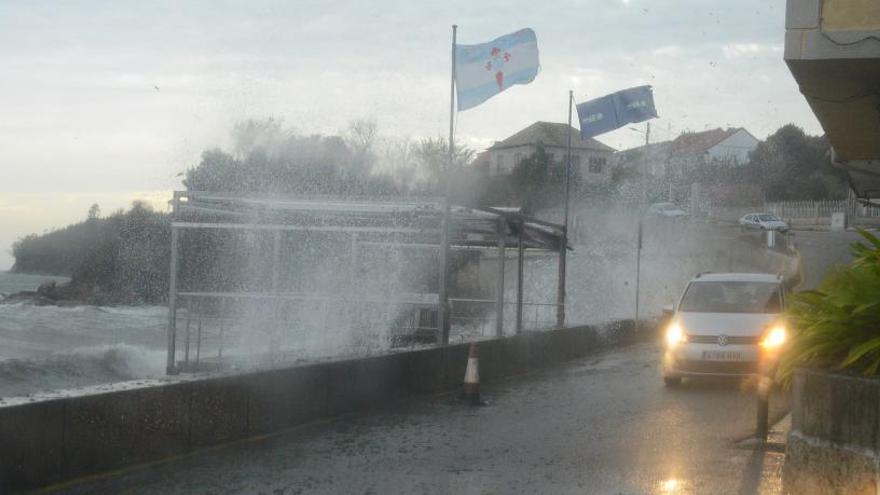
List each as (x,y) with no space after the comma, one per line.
(79,367)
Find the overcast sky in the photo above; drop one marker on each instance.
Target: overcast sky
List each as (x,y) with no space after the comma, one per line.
(108,102)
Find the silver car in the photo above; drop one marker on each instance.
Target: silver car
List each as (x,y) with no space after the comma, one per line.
(725,324)
(668,210)
(763,221)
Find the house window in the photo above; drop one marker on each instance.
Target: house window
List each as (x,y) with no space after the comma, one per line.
(517,158)
(499,163)
(576,162)
(596,164)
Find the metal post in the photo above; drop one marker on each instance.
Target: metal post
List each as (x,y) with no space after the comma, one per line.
(519,279)
(443,295)
(276,256)
(560,289)
(499,286)
(222,329)
(275,327)
(199,341)
(645,163)
(763,416)
(638,269)
(536,315)
(170,367)
(188,322)
(763,409)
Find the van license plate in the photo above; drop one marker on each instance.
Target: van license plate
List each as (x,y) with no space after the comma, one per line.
(722,356)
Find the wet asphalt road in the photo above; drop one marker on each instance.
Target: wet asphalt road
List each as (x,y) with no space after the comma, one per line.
(603,424)
(822,251)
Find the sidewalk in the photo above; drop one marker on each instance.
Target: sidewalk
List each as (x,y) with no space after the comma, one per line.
(763,474)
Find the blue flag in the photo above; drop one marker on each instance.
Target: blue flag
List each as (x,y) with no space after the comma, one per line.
(616,110)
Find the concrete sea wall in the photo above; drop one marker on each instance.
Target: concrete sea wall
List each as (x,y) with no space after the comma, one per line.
(834,444)
(50,441)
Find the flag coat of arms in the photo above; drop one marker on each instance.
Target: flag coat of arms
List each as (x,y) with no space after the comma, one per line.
(484,70)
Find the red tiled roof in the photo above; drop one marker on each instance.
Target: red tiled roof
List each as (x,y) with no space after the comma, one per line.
(700,142)
(551,134)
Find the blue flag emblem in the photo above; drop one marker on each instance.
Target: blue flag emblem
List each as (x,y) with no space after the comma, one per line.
(616,110)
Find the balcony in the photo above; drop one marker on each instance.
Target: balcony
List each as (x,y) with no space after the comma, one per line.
(832,48)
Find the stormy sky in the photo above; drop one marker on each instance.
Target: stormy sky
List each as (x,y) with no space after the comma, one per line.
(106,102)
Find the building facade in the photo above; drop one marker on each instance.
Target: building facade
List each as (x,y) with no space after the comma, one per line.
(693,150)
(590,159)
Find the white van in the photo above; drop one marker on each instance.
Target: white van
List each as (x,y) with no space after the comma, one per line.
(725,324)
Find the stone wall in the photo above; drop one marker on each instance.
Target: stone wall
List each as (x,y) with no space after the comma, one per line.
(835,438)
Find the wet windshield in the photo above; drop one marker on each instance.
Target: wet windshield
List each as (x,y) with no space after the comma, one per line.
(300,246)
(731,297)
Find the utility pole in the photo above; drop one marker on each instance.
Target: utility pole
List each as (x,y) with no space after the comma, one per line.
(563,248)
(639,234)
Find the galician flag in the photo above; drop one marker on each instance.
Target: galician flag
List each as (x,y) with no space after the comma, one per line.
(484,70)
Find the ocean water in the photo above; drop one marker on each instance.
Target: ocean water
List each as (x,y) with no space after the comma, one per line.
(46,348)
(17,282)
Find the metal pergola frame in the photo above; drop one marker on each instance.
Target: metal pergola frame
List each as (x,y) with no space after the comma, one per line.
(415,222)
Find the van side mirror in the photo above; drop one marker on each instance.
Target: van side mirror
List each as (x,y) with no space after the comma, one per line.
(668,310)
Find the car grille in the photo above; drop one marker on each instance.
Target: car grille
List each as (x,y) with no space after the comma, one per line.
(713,339)
(730,367)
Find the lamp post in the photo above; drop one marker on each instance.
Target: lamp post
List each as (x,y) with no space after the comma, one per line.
(641,217)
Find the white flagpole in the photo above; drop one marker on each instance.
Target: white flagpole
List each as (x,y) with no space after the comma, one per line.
(443,313)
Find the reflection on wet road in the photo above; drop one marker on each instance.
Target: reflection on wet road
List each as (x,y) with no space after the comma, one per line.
(603,424)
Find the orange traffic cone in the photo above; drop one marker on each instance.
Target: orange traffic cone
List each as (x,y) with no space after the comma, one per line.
(471,390)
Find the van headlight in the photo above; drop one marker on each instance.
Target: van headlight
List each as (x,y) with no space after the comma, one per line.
(675,335)
(775,337)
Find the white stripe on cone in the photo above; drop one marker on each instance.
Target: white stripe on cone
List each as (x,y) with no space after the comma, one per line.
(472,374)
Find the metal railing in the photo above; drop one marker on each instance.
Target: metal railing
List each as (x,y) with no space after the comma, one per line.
(209,325)
(820,209)
(479,313)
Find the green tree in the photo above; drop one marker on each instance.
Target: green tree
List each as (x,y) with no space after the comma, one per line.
(794,166)
(94,212)
(537,180)
(432,155)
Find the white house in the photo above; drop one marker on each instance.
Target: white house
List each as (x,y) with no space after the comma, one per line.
(590,159)
(692,150)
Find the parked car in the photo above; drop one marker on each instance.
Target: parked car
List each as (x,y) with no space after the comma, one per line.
(763,221)
(666,210)
(725,324)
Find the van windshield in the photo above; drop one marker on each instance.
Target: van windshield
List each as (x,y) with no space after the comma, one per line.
(731,297)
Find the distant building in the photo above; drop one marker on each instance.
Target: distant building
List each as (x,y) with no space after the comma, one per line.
(650,159)
(692,150)
(688,152)
(590,159)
